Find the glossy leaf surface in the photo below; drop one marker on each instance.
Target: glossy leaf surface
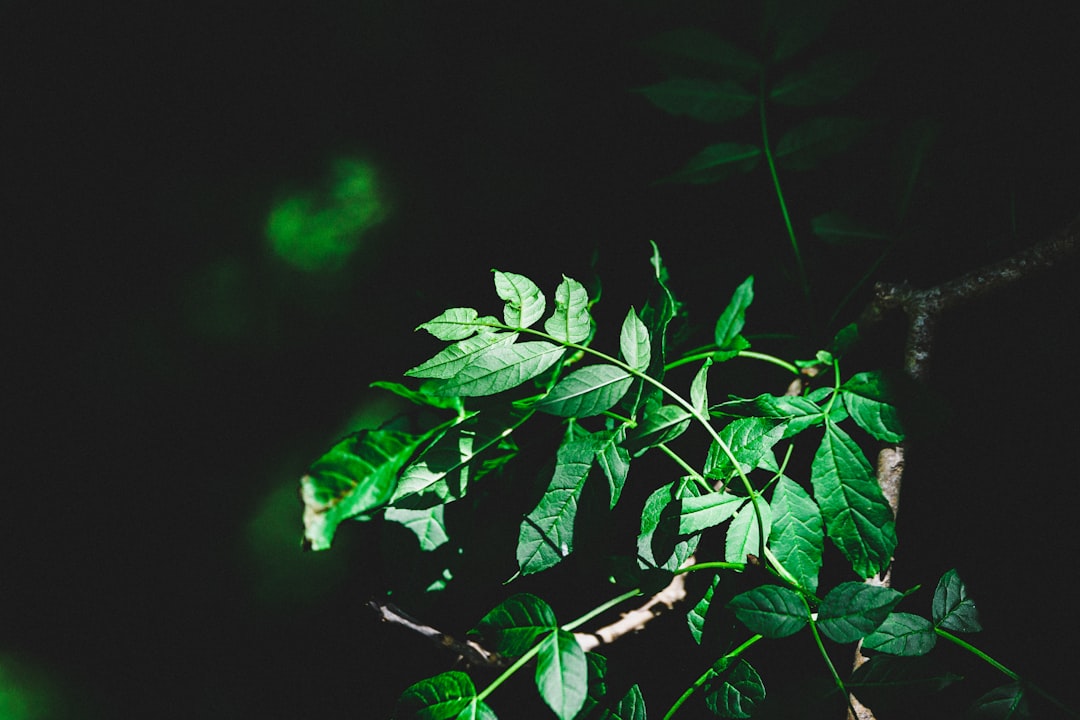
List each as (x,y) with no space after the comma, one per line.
(770,610)
(853,610)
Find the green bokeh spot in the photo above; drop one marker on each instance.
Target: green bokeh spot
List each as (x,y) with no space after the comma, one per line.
(319,231)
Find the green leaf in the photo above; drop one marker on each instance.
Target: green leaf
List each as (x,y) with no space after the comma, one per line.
(502,367)
(826,79)
(355,477)
(464,454)
(660,425)
(546,535)
(630,707)
(570,322)
(853,610)
(952,608)
(902,634)
(428,524)
(660,544)
(738,694)
(806,145)
(513,626)
(457,324)
(561,674)
(731,321)
(743,537)
(634,342)
(857,517)
(588,391)
(418,397)
(837,228)
(708,510)
(451,360)
(1007,702)
(614,460)
(770,610)
(696,617)
(798,412)
(447,696)
(797,532)
(868,399)
(596,670)
(657,315)
(718,162)
(749,439)
(699,390)
(704,100)
(525,303)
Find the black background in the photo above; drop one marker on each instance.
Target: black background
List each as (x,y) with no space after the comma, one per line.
(170,378)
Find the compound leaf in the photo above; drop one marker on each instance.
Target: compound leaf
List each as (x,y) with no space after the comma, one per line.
(797,532)
(355,477)
(513,626)
(525,304)
(952,608)
(770,610)
(571,322)
(502,367)
(546,535)
(902,634)
(588,391)
(561,674)
(853,610)
(857,517)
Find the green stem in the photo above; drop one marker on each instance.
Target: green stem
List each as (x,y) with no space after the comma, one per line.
(825,655)
(704,355)
(780,194)
(1004,670)
(713,565)
(571,626)
(698,477)
(709,674)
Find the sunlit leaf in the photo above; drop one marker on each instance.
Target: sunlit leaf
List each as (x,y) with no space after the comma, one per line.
(699,393)
(748,439)
(731,321)
(570,322)
(798,532)
(428,524)
(705,100)
(525,303)
(634,342)
(355,477)
(868,399)
(708,510)
(419,397)
(743,535)
(738,692)
(515,624)
(857,517)
(797,412)
(697,616)
(853,610)
(826,79)
(660,544)
(718,162)
(952,608)
(502,367)
(546,535)
(770,610)
(454,324)
(588,391)
(661,425)
(561,674)
(443,697)
(807,144)
(614,460)
(902,634)
(449,361)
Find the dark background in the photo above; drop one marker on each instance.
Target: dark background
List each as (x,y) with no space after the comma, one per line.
(169,379)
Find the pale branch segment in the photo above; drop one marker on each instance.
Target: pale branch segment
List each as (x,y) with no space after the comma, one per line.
(923,307)
(638,618)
